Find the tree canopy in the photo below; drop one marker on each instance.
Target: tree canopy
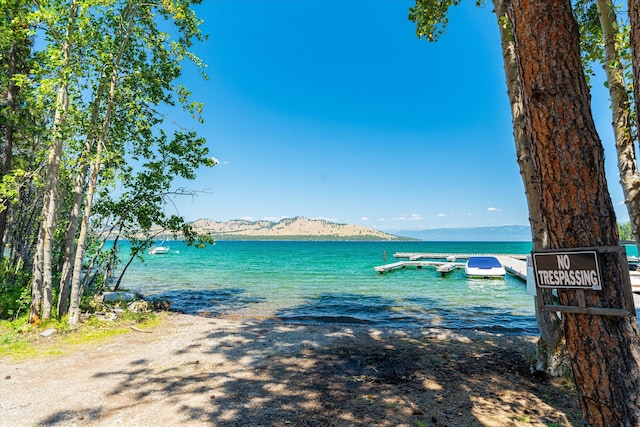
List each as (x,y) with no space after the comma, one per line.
(85,144)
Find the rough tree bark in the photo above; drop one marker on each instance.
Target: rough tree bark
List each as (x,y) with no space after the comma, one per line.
(634,20)
(552,355)
(7,149)
(576,207)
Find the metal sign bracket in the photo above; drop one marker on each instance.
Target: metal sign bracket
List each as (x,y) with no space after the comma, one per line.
(627,310)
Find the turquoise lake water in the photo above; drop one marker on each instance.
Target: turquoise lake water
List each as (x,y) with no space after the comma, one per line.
(334,282)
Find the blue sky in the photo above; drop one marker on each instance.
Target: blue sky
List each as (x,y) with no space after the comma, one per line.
(336,110)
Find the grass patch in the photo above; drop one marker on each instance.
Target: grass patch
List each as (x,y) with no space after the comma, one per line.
(20,341)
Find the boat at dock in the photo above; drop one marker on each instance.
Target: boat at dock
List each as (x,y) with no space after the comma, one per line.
(445,263)
(484,267)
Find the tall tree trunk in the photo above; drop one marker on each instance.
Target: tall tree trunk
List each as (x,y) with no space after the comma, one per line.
(575,206)
(70,242)
(49,209)
(35,311)
(634,19)
(552,354)
(44,272)
(621,111)
(15,61)
(70,249)
(7,154)
(76,292)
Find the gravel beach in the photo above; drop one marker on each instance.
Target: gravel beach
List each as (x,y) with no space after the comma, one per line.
(199,371)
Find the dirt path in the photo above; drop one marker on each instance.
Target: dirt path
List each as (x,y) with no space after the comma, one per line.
(222,372)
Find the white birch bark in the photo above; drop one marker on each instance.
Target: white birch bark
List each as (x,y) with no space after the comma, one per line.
(76,291)
(42,274)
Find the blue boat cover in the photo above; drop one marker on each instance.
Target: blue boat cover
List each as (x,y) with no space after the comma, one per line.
(483,262)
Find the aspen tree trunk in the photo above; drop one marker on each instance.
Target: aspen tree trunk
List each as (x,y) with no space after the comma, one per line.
(70,238)
(575,205)
(72,229)
(552,354)
(70,249)
(76,291)
(35,311)
(49,208)
(43,273)
(621,111)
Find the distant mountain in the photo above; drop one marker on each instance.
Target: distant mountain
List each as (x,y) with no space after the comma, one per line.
(505,233)
(298,228)
(301,228)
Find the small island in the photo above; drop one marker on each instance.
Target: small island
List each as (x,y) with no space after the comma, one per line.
(298,228)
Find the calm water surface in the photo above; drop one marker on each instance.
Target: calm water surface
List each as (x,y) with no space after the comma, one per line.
(334,282)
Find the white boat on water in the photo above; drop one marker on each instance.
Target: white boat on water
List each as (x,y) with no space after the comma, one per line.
(484,267)
(159,250)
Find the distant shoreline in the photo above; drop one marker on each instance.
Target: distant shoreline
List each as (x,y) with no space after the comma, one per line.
(399,240)
(309,239)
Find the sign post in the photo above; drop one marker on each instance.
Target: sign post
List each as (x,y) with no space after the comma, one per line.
(576,269)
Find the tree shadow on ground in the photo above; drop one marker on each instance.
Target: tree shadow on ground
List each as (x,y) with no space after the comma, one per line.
(274,373)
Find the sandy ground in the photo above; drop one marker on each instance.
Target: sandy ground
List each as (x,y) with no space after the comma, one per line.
(196,371)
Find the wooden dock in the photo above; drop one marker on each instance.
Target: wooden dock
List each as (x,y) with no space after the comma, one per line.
(414,264)
(515,264)
(414,256)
